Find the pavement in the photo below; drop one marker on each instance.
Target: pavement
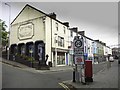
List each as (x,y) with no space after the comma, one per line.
(24,67)
(106,78)
(52,69)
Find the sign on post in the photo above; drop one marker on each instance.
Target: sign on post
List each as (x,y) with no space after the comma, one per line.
(78,50)
(79,56)
(79,60)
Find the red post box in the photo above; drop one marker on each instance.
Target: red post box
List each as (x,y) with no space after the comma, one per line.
(88,71)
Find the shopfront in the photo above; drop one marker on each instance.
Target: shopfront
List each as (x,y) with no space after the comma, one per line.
(60,58)
(30,49)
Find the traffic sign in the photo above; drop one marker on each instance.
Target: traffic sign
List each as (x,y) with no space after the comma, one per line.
(78,51)
(78,43)
(78,46)
(79,60)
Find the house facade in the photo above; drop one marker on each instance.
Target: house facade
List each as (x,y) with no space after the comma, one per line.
(36,34)
(72,34)
(90,50)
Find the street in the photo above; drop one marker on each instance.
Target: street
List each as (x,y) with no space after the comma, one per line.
(14,77)
(17,78)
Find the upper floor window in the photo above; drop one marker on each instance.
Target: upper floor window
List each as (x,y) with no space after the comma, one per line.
(71,33)
(60,41)
(64,29)
(57,26)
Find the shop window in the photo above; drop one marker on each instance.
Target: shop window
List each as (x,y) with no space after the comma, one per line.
(31,50)
(22,50)
(61,59)
(40,52)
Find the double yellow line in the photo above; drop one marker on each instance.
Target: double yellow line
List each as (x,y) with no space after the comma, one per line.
(64,86)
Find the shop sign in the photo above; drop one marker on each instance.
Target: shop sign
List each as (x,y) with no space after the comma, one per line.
(25,31)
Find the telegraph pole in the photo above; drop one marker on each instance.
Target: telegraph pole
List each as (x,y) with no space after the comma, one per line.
(8,53)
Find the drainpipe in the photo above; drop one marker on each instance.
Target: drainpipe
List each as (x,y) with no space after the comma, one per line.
(51,38)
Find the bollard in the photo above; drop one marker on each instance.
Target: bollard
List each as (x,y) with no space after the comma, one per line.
(73,74)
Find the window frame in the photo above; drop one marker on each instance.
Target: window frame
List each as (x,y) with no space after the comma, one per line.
(56,26)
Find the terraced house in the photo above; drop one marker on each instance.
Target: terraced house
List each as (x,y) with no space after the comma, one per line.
(37,34)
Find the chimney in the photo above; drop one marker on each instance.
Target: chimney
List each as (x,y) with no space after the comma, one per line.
(75,29)
(97,40)
(81,33)
(66,24)
(52,15)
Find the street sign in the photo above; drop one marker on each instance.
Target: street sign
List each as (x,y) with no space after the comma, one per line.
(79,60)
(78,43)
(78,46)
(78,51)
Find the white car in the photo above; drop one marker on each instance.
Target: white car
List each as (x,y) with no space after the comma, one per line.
(111,59)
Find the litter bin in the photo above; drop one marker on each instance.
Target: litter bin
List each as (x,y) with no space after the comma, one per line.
(88,71)
(50,64)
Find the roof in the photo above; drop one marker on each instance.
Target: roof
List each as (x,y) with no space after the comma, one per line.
(38,11)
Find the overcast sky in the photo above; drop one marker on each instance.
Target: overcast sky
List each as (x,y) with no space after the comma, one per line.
(99,20)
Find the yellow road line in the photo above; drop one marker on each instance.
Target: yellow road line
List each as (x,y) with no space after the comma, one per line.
(64,86)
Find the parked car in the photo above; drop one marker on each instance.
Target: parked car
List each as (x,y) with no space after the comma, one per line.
(111,59)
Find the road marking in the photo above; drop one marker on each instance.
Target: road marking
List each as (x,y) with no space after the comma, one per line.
(64,86)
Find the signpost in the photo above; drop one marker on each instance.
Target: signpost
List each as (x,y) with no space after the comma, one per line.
(79,58)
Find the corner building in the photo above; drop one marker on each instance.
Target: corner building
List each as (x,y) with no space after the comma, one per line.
(37,34)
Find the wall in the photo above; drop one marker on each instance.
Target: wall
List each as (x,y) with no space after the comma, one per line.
(60,32)
(28,15)
(48,38)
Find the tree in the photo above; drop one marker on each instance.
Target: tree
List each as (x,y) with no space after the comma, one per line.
(3,33)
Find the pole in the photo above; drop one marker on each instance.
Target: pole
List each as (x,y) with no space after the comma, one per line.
(76,67)
(74,75)
(9,30)
(83,66)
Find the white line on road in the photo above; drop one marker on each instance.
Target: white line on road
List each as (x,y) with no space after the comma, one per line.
(64,86)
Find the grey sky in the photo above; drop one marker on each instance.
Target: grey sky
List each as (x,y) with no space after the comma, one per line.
(99,20)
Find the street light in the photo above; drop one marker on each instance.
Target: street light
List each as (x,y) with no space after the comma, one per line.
(9,29)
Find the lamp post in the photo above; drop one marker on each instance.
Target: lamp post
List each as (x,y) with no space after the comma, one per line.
(55,50)
(9,29)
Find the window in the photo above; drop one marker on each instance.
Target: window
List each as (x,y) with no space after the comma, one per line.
(64,29)
(60,41)
(71,33)
(55,40)
(22,50)
(57,26)
(60,58)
